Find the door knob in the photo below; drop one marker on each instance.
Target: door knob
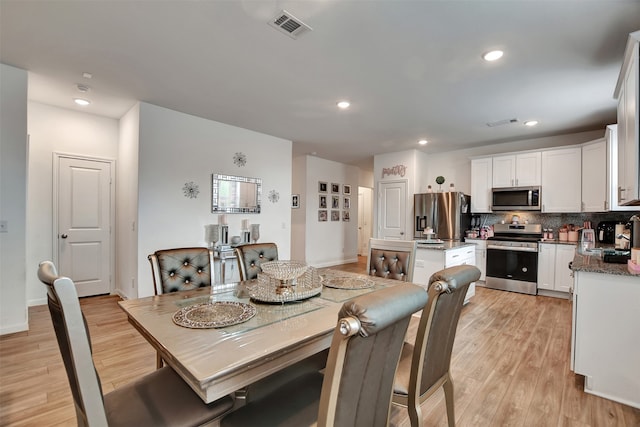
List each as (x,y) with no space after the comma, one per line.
(64,236)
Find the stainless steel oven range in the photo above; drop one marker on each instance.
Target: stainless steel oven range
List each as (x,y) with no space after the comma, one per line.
(512,258)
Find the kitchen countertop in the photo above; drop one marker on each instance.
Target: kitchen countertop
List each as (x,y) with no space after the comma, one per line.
(594,264)
(447,244)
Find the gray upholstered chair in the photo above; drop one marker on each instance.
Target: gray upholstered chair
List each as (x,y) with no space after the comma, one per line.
(252,255)
(181,269)
(424,365)
(357,384)
(392,259)
(161,398)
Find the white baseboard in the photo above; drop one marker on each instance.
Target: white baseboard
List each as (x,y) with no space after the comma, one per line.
(36,302)
(14,328)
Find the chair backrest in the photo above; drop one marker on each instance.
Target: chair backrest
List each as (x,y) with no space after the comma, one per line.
(437,328)
(181,269)
(251,256)
(364,354)
(75,346)
(392,259)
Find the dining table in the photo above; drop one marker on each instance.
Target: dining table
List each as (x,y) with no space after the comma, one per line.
(217,361)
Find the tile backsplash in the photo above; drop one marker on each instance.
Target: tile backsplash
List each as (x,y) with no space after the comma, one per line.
(555,221)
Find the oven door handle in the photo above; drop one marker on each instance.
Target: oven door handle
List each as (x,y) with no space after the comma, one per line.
(512,248)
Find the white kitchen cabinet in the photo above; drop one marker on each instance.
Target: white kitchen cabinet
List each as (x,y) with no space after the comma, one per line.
(561,180)
(611,136)
(481,183)
(605,346)
(594,176)
(432,260)
(553,267)
(517,170)
(481,255)
(628,123)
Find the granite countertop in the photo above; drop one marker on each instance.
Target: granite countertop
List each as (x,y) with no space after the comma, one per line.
(594,264)
(447,244)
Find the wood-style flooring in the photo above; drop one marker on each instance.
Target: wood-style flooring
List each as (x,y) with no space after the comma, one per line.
(510,366)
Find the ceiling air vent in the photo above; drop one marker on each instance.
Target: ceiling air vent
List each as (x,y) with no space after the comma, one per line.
(502,122)
(289,24)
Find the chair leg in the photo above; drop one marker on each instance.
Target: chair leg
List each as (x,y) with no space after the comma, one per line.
(159,362)
(448,397)
(415,413)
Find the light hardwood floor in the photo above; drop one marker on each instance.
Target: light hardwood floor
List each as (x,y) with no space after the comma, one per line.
(510,366)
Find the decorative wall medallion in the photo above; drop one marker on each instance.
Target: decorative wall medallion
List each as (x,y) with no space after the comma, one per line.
(274,196)
(191,190)
(239,159)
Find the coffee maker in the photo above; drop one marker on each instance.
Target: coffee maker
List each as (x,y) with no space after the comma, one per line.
(606,232)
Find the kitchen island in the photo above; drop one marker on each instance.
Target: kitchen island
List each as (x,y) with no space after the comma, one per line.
(605,345)
(433,257)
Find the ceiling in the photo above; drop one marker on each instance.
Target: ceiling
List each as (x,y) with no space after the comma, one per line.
(411,69)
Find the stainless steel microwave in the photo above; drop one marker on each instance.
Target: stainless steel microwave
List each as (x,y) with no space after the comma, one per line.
(515,199)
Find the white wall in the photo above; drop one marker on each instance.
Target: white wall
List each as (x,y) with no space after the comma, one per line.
(176,148)
(56,130)
(127,204)
(331,242)
(13,199)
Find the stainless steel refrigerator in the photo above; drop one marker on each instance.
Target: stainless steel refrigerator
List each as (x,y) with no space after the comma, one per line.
(449,214)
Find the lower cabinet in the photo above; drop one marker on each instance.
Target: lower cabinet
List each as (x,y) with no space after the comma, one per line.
(605,347)
(553,267)
(481,256)
(432,260)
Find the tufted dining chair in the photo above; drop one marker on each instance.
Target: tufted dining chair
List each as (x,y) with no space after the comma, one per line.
(424,365)
(356,387)
(252,255)
(161,398)
(392,259)
(181,269)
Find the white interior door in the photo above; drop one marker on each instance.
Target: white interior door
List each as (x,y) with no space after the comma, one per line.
(84,213)
(393,210)
(365,219)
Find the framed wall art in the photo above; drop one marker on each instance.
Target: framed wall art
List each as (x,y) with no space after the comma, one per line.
(335,202)
(335,215)
(335,188)
(346,189)
(322,187)
(322,215)
(322,202)
(345,216)
(346,203)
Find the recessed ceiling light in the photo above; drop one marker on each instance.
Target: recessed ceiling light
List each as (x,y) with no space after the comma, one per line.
(493,55)
(531,123)
(423,142)
(343,105)
(81,101)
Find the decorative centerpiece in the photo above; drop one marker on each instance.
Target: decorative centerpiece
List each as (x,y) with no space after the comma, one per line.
(284,281)
(287,272)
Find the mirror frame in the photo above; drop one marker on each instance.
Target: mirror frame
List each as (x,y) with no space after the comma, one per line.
(215,194)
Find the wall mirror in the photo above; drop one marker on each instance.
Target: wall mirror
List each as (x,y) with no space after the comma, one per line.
(235,194)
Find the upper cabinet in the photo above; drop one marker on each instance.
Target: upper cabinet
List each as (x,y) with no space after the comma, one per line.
(628,125)
(561,180)
(517,170)
(594,176)
(481,183)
